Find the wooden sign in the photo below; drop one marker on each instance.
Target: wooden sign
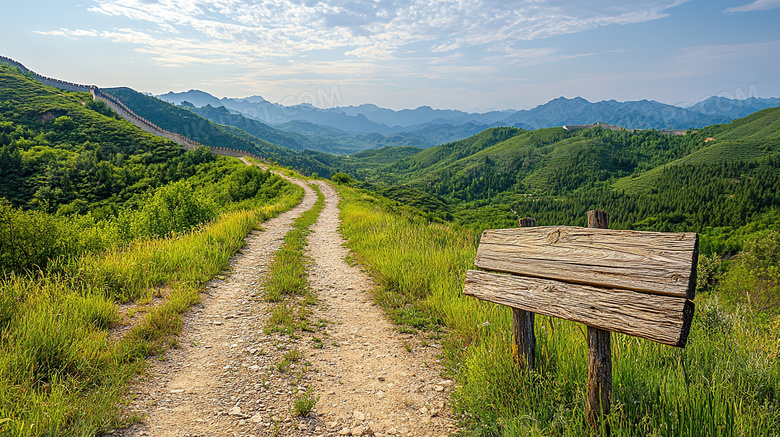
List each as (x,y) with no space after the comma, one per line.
(636,283)
(649,262)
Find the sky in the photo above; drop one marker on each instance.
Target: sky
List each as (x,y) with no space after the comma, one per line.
(472,55)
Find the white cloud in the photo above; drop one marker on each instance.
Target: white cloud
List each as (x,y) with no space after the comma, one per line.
(758,5)
(69,33)
(184,32)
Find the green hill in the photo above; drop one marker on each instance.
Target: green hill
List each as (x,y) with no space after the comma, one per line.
(255,128)
(184,122)
(723,176)
(746,139)
(63,149)
(440,156)
(532,162)
(180,120)
(386,155)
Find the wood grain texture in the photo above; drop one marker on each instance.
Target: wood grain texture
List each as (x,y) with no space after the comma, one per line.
(524,347)
(599,378)
(526,222)
(659,318)
(599,357)
(650,262)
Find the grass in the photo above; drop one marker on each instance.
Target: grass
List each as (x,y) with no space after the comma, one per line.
(305,403)
(59,372)
(286,283)
(725,382)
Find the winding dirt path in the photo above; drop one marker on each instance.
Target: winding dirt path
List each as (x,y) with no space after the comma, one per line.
(370,382)
(224,379)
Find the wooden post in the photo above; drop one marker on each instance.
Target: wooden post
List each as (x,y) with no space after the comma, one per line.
(527,222)
(599,356)
(632,282)
(524,348)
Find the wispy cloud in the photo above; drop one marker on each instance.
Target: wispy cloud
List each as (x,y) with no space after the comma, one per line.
(709,56)
(181,32)
(69,33)
(758,5)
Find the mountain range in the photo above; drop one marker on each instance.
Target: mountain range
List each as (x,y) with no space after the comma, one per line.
(347,129)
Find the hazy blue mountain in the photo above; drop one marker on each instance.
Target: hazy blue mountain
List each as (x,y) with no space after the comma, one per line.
(643,114)
(321,136)
(256,128)
(436,132)
(423,114)
(369,126)
(273,113)
(196,97)
(300,135)
(733,108)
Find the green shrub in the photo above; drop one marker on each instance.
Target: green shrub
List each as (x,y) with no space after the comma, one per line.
(755,278)
(29,239)
(173,208)
(342,178)
(708,272)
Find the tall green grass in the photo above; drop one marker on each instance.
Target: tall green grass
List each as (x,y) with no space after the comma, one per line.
(725,382)
(59,373)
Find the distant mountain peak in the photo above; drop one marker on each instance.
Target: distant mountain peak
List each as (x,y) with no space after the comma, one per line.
(254,99)
(196,97)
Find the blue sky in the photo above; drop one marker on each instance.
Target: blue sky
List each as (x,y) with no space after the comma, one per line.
(463,54)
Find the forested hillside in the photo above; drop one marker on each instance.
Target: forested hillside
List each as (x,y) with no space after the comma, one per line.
(715,180)
(256,128)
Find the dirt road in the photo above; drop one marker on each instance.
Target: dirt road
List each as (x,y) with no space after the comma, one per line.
(224,379)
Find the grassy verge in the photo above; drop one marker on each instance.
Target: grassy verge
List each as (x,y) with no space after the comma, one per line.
(59,373)
(726,382)
(286,283)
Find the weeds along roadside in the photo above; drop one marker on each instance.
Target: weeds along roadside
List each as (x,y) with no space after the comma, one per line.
(286,286)
(60,374)
(725,382)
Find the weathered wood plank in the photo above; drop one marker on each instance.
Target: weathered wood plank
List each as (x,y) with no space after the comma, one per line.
(664,319)
(651,262)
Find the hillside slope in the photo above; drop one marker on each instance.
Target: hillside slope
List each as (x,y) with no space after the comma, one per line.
(747,139)
(724,175)
(204,131)
(191,125)
(259,130)
(441,156)
(62,148)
